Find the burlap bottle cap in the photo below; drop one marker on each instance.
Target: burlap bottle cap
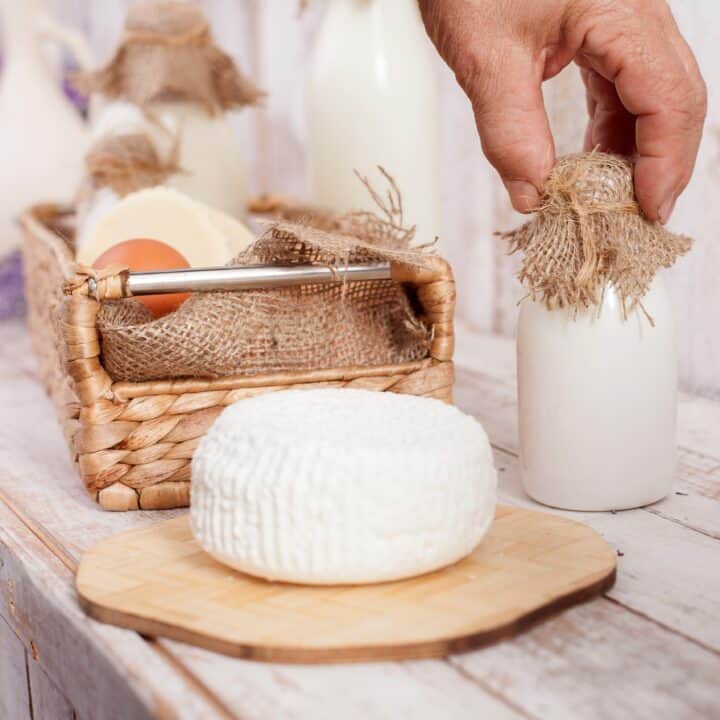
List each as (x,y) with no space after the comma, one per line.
(168,53)
(126,163)
(590,231)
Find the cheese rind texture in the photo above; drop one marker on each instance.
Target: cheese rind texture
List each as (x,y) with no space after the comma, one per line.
(342,486)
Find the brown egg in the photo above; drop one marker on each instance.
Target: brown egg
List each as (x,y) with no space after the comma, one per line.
(145,254)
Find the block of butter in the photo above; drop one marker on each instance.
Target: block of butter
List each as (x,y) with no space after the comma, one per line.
(203,235)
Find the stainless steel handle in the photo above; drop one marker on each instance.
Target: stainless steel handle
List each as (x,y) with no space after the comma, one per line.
(249,278)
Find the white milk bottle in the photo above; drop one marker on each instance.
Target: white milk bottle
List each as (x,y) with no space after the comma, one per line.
(597,360)
(204,146)
(170,81)
(372,100)
(597,402)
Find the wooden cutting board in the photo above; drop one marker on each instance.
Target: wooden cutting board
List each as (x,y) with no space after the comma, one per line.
(158,581)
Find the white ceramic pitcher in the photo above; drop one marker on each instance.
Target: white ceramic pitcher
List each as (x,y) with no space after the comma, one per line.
(42,136)
(372,100)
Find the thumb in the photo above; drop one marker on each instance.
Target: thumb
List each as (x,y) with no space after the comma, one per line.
(514,129)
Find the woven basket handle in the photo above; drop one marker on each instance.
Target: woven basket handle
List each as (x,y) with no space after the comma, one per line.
(432,282)
(232,279)
(435,288)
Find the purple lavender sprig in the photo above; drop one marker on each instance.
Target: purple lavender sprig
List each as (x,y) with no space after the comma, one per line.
(80,101)
(12,292)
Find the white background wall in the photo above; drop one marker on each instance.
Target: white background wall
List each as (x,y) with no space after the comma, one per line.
(272,42)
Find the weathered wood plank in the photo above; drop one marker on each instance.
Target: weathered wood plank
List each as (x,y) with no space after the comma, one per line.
(14,684)
(647,584)
(103,671)
(48,703)
(599,662)
(663,568)
(424,689)
(43,489)
(694,502)
(32,447)
(698,425)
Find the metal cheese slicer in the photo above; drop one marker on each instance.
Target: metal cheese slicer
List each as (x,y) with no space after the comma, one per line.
(258,277)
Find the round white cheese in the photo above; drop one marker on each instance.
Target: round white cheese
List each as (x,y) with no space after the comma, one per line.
(204,236)
(342,486)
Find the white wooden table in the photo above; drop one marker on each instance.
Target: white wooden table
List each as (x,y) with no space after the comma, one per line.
(649,649)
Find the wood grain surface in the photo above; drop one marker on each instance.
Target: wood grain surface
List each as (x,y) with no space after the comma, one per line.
(159,581)
(649,649)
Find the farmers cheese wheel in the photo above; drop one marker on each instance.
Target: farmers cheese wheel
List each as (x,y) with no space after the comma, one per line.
(342,486)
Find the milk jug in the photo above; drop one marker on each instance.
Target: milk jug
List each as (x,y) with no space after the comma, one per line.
(170,81)
(372,100)
(42,137)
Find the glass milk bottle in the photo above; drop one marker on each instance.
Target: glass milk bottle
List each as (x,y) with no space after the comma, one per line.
(204,146)
(169,80)
(597,402)
(372,100)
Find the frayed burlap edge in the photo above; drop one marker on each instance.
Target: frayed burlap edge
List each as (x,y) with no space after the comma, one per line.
(384,228)
(341,238)
(590,231)
(127,163)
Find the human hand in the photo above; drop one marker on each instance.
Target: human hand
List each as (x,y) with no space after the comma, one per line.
(645,94)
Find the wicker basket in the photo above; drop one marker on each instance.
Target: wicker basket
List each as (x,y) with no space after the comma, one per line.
(133,442)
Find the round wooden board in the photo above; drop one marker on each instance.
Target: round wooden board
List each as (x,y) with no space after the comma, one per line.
(159,582)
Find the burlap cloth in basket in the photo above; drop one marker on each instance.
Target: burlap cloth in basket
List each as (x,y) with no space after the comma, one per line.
(589,231)
(289,329)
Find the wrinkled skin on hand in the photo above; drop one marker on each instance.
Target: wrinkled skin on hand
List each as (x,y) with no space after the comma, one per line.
(645,94)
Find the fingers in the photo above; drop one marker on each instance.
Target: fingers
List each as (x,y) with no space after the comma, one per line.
(591,105)
(512,122)
(611,127)
(502,76)
(657,81)
(646,96)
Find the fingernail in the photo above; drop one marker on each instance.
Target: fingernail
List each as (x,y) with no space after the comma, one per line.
(666,209)
(524,195)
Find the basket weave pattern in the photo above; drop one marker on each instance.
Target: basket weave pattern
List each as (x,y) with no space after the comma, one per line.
(133,442)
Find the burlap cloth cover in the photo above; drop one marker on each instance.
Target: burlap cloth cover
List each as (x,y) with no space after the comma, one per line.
(589,231)
(168,53)
(297,328)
